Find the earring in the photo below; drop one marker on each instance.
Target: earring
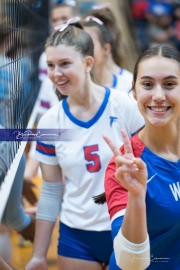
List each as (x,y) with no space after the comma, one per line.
(87,69)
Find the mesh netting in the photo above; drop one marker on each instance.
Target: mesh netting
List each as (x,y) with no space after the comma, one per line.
(23,30)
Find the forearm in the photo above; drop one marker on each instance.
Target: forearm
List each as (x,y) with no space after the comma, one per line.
(131,245)
(134,227)
(42,237)
(132,239)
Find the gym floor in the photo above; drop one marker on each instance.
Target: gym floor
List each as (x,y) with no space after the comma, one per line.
(22,251)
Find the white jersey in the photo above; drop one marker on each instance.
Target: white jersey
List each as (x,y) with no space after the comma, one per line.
(123,80)
(47,96)
(84,160)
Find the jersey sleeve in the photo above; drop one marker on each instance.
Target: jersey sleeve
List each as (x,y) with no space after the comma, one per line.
(115,226)
(45,150)
(116,194)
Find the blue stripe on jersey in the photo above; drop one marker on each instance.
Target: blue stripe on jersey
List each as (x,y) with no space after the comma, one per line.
(134,133)
(121,71)
(45,149)
(91,122)
(115,226)
(114,83)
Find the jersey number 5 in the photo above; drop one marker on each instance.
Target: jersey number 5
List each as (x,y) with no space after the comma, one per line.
(93,158)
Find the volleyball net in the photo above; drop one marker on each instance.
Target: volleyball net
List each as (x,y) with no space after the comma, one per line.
(23,31)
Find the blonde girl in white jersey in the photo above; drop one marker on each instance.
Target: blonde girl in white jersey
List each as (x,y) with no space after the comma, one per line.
(87,110)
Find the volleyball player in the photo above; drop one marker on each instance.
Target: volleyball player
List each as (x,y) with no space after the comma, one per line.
(59,14)
(142,179)
(87,110)
(102,27)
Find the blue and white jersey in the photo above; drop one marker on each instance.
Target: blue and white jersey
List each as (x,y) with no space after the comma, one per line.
(162,206)
(83,160)
(123,80)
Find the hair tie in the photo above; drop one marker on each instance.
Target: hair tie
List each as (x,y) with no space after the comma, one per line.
(92,18)
(62,27)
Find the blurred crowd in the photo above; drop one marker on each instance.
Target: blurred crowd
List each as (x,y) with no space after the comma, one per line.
(157,22)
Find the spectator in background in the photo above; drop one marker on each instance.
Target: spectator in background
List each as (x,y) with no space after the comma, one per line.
(176,6)
(138,9)
(160,29)
(13,216)
(6,74)
(19,50)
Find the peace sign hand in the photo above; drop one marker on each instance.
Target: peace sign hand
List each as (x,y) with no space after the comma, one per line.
(131,172)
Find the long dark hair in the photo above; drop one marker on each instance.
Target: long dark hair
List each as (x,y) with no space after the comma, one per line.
(100,199)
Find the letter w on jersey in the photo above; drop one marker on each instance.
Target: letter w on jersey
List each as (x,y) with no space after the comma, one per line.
(175,188)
